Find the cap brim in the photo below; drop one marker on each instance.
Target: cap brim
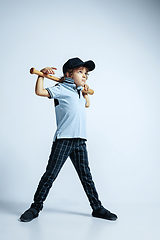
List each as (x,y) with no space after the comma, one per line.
(88,64)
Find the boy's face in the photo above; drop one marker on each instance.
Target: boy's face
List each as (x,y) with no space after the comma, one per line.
(80,76)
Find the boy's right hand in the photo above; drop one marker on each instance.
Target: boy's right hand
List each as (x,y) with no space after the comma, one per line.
(48,70)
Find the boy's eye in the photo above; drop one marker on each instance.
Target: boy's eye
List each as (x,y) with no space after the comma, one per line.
(86,74)
(81,72)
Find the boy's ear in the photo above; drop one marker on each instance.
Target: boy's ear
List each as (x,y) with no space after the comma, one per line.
(67,74)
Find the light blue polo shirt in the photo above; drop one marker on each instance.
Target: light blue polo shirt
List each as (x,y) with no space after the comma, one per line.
(69,109)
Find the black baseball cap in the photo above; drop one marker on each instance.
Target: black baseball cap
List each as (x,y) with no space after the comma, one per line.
(77,62)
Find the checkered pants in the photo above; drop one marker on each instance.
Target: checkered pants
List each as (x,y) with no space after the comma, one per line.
(74,148)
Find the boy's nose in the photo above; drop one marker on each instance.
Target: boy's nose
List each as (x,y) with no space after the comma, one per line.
(84,76)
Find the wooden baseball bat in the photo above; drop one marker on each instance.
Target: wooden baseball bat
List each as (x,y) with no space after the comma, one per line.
(41,74)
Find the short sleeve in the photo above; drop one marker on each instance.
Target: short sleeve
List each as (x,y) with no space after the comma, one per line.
(54,91)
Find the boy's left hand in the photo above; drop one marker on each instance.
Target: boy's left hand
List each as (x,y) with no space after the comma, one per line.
(86,87)
(85,95)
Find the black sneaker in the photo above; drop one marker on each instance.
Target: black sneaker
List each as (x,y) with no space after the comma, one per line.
(29,215)
(104,213)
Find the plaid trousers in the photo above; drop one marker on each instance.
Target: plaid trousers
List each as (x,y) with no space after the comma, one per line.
(75,148)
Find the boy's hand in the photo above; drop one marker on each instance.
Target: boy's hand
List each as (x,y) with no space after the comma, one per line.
(86,87)
(48,70)
(85,95)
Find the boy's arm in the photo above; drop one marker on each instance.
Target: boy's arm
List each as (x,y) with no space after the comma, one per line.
(39,89)
(87,100)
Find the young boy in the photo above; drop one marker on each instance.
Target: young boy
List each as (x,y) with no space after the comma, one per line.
(70,137)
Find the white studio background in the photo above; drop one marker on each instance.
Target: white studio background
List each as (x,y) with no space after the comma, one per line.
(122,37)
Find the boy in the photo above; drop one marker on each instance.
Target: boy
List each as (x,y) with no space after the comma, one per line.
(70,137)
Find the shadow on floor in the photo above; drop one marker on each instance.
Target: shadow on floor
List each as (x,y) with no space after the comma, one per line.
(63,211)
(16,208)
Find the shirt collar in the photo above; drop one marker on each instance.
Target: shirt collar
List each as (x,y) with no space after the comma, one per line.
(70,82)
